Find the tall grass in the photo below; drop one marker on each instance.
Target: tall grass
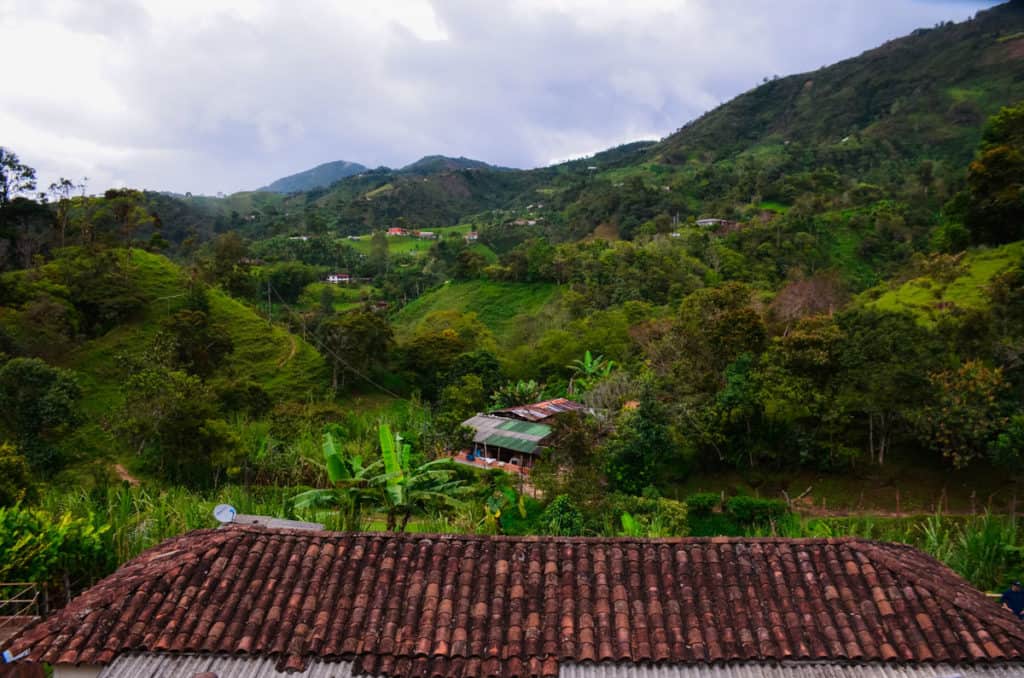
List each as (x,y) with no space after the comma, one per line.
(986,549)
(140,518)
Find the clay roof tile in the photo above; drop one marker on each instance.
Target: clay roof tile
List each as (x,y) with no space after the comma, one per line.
(448,605)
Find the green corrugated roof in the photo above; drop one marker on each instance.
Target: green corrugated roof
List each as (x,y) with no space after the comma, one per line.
(539,430)
(517,444)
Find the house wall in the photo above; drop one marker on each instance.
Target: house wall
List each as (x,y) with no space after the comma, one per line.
(22,670)
(69,671)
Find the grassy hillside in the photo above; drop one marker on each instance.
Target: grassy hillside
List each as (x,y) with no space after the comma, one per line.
(928,298)
(287,367)
(412,245)
(497,304)
(282,363)
(277,360)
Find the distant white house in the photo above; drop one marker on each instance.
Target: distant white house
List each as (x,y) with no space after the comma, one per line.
(711,222)
(339,278)
(427,235)
(303,238)
(472,236)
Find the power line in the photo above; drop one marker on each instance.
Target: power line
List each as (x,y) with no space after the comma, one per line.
(325,349)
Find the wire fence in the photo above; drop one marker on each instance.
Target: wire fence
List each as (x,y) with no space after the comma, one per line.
(19,599)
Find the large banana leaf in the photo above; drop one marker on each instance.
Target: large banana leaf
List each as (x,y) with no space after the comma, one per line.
(336,470)
(315,499)
(393,470)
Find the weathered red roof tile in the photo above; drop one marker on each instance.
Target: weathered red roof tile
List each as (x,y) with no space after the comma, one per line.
(449,605)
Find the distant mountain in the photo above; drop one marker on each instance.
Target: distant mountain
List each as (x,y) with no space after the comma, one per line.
(432,164)
(924,95)
(320,176)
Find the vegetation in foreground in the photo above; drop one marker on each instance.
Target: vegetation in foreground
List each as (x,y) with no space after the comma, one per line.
(855,319)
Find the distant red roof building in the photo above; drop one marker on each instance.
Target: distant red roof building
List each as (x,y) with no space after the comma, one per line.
(398,231)
(435,606)
(339,278)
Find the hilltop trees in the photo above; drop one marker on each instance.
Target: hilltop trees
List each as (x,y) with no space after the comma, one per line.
(62,191)
(15,177)
(995,180)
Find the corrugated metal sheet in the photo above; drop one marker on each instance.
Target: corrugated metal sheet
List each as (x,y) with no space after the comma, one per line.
(154,665)
(790,670)
(501,432)
(542,410)
(185,666)
(275,523)
(517,444)
(526,427)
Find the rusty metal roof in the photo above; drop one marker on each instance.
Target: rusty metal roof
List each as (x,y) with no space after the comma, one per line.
(542,410)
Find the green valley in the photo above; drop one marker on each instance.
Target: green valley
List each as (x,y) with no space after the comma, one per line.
(801,314)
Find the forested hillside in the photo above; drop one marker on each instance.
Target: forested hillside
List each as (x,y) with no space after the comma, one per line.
(811,299)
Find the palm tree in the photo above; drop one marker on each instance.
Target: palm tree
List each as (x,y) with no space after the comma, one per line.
(353,486)
(409,489)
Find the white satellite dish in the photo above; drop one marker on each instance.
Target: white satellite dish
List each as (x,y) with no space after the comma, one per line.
(224,513)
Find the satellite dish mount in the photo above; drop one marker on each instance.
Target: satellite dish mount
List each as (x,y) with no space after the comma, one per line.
(224,513)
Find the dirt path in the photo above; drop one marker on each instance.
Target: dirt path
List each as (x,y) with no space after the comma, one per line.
(124,475)
(291,353)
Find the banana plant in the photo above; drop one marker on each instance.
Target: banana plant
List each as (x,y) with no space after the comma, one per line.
(409,489)
(518,393)
(353,485)
(588,371)
(500,499)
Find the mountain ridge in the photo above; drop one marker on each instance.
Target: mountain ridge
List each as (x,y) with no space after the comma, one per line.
(321,176)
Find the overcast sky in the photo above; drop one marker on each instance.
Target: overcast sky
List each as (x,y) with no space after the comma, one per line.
(208,96)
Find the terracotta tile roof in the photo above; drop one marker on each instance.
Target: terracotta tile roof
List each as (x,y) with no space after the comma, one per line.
(465,606)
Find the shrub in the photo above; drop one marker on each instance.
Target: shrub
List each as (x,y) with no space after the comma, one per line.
(56,553)
(15,477)
(752,511)
(653,516)
(702,504)
(561,518)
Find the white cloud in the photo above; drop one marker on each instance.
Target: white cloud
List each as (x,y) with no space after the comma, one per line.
(211,95)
